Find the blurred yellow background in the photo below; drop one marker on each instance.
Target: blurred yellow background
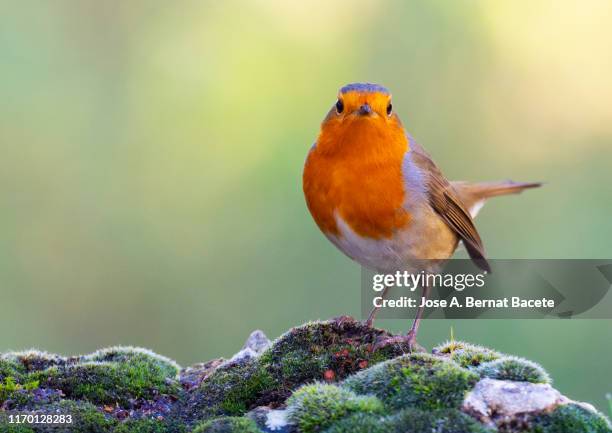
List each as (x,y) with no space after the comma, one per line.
(151,159)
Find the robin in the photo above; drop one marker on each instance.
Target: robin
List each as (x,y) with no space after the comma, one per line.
(379,197)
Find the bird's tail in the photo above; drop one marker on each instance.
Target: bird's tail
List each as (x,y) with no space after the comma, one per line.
(473,195)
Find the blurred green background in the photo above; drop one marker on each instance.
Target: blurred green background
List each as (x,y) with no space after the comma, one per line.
(151,159)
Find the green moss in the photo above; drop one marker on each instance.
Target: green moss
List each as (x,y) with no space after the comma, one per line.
(409,420)
(465,354)
(361,423)
(514,368)
(329,350)
(228,425)
(108,382)
(371,386)
(86,418)
(18,394)
(5,427)
(127,354)
(11,368)
(314,407)
(231,390)
(141,426)
(415,380)
(35,360)
(571,418)
(439,421)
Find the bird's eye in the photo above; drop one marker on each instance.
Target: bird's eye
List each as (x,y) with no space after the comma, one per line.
(389,109)
(339,106)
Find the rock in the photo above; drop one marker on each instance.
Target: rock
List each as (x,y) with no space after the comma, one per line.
(255,345)
(494,401)
(271,420)
(257,342)
(333,376)
(192,376)
(519,406)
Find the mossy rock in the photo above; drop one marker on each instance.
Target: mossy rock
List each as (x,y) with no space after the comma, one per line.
(228,425)
(109,382)
(128,354)
(12,369)
(513,368)
(148,426)
(410,420)
(231,390)
(415,380)
(467,355)
(86,418)
(330,350)
(315,407)
(570,418)
(334,376)
(35,360)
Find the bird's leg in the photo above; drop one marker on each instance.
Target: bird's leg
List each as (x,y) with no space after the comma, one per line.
(372,314)
(414,329)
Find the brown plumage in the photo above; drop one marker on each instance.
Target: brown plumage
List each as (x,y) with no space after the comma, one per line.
(380,198)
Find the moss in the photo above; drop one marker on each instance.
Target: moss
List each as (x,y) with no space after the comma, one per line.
(127,354)
(109,382)
(370,385)
(415,380)
(571,418)
(18,394)
(228,425)
(329,350)
(361,423)
(86,418)
(410,420)
(440,421)
(314,407)
(5,427)
(36,360)
(141,426)
(465,354)
(11,368)
(514,368)
(231,390)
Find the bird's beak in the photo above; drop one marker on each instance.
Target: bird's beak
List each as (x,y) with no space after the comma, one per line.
(365,110)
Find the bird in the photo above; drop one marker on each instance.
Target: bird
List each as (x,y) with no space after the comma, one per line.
(378,196)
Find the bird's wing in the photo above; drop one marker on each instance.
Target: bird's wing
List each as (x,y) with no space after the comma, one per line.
(444,200)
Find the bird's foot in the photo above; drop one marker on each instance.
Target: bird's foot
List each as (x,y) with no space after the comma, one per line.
(407,342)
(412,343)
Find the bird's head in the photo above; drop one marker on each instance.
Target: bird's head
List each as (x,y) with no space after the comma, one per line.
(362,115)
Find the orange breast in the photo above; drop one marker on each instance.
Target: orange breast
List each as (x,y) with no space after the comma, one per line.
(356,173)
